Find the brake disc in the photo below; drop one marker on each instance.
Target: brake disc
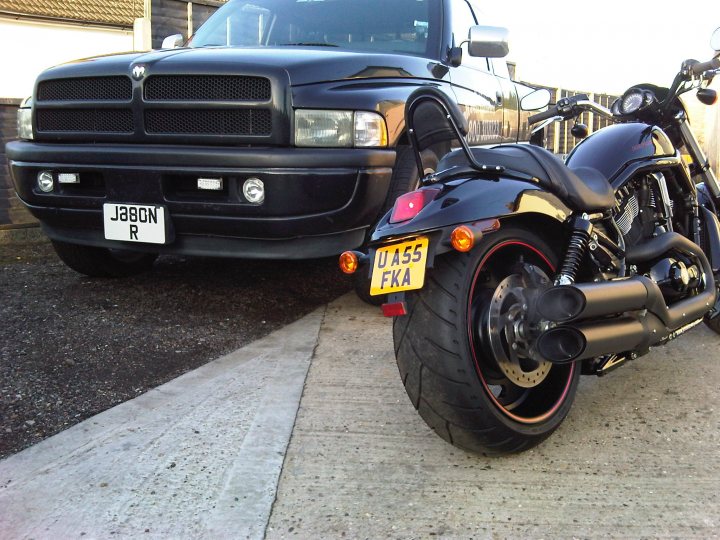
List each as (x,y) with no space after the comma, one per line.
(507,332)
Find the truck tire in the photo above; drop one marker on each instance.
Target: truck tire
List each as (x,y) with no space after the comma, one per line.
(454,353)
(102,262)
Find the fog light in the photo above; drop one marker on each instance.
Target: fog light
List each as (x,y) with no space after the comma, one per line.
(68,178)
(254,190)
(210,184)
(45,181)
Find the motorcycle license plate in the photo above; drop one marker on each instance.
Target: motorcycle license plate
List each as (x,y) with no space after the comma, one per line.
(134,223)
(399,267)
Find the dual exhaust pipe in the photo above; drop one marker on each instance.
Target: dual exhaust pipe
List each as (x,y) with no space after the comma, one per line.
(584,312)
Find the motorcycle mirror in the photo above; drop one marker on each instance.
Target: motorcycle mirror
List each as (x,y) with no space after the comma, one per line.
(488,41)
(715,40)
(537,99)
(707,96)
(580,131)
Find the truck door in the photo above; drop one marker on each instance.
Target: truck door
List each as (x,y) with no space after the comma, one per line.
(510,104)
(477,90)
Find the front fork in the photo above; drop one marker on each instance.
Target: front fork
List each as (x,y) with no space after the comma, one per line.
(698,156)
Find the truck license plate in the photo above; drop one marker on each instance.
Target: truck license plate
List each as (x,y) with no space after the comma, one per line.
(399,267)
(134,223)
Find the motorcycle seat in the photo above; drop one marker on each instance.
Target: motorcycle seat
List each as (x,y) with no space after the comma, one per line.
(583,189)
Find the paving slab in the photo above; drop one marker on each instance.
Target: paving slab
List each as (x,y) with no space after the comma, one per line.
(638,456)
(198,457)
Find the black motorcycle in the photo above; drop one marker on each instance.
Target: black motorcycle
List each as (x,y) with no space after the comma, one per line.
(510,273)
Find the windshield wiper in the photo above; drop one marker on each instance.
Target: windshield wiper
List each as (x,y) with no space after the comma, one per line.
(308,44)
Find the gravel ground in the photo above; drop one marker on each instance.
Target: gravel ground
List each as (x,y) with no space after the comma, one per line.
(71,346)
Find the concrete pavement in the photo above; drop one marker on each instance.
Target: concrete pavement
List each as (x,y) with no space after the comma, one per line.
(637,457)
(198,457)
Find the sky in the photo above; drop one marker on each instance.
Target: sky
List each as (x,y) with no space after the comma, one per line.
(607,46)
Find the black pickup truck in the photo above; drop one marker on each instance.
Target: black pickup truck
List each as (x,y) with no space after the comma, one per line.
(275,132)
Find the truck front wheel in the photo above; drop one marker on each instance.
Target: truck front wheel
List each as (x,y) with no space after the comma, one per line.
(103,262)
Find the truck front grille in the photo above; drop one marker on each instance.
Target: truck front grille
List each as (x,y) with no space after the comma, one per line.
(162,109)
(86,89)
(207,88)
(85,120)
(208,121)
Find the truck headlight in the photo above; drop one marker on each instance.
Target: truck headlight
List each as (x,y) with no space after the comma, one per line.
(339,129)
(24,120)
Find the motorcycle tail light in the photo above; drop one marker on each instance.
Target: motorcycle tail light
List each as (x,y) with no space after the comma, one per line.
(409,205)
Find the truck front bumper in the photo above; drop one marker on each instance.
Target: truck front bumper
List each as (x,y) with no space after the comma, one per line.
(318,202)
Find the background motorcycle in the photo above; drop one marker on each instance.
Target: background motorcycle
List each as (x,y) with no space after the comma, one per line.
(510,273)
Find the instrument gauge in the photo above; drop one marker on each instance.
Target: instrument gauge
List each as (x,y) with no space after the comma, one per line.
(632,101)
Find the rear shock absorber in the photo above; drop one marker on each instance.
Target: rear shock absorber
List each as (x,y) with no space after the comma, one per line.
(577,247)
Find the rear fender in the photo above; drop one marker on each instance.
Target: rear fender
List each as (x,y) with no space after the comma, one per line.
(469,201)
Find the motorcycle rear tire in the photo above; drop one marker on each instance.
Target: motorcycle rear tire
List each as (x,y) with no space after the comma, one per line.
(450,374)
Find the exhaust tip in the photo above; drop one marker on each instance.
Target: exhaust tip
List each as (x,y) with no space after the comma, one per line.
(562,303)
(561,345)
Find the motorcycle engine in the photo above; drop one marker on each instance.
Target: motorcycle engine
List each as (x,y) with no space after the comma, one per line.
(643,209)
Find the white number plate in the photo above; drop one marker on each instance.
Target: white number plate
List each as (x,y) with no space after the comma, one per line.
(134,223)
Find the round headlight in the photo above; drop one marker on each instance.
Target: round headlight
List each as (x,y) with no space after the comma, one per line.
(254,190)
(632,101)
(45,181)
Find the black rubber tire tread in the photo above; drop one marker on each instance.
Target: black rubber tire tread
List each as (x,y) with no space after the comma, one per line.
(361,282)
(435,363)
(713,324)
(101,262)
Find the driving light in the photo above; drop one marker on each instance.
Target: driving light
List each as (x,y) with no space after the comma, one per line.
(210,184)
(409,205)
(24,120)
(45,181)
(68,178)
(254,190)
(349,262)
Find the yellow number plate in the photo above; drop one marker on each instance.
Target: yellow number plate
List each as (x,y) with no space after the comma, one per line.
(399,267)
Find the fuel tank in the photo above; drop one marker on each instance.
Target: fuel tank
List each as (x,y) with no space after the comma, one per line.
(611,149)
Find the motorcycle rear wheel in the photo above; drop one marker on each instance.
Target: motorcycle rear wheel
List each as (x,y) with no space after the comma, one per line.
(448,359)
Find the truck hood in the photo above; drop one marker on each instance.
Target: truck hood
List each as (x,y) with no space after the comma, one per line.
(303,65)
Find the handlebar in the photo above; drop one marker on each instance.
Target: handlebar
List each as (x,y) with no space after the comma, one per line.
(539,117)
(701,67)
(570,107)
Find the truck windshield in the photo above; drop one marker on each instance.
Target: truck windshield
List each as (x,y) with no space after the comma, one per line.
(407,26)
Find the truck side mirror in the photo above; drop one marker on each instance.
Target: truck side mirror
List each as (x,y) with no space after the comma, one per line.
(488,41)
(173,42)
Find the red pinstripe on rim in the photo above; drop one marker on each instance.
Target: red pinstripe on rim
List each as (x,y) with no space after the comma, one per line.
(559,402)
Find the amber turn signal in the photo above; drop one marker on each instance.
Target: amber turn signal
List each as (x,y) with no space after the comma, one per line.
(349,262)
(462,239)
